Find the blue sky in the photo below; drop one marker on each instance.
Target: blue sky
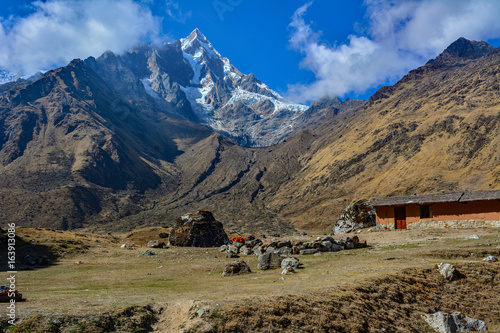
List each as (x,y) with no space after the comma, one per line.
(302,49)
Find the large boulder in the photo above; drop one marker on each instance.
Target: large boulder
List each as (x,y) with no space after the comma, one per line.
(356,216)
(156,244)
(198,230)
(269,261)
(236,268)
(289,265)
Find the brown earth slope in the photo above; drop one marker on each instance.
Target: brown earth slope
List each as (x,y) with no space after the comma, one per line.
(438,129)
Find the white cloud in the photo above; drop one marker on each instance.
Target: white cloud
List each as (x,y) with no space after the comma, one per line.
(400,35)
(61,30)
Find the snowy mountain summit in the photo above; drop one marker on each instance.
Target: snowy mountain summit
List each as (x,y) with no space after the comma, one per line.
(231,102)
(189,78)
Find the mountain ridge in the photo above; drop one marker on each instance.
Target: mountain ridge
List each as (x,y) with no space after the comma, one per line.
(86,145)
(190,78)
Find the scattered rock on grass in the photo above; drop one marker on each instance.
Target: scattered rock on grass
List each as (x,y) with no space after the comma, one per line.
(490,259)
(309,251)
(231,254)
(287,247)
(448,271)
(245,250)
(455,322)
(336,247)
(475,236)
(289,265)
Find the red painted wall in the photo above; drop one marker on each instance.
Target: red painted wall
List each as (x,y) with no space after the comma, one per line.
(488,210)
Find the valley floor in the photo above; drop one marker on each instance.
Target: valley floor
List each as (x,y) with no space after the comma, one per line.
(92,284)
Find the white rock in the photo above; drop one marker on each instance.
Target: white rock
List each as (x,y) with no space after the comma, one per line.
(455,322)
(447,270)
(490,259)
(475,236)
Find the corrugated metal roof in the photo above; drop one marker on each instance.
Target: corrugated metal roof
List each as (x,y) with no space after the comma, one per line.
(437,197)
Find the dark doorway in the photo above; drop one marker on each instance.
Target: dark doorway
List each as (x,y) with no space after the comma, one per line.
(400,217)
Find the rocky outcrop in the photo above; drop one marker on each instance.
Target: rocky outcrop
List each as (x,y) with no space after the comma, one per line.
(198,230)
(356,216)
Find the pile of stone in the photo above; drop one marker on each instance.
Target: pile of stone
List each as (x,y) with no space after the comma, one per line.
(356,216)
(198,230)
(286,247)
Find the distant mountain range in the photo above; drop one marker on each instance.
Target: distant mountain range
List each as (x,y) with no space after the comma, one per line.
(137,139)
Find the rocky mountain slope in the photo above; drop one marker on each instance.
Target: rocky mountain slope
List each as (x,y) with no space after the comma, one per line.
(71,148)
(113,143)
(189,77)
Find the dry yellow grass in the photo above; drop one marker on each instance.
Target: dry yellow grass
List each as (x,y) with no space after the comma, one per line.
(99,277)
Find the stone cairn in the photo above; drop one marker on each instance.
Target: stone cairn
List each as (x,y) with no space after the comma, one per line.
(198,230)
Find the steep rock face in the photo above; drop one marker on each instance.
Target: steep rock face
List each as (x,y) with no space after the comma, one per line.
(191,79)
(68,145)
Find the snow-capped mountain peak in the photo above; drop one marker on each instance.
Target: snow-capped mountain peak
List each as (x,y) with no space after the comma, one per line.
(196,42)
(222,97)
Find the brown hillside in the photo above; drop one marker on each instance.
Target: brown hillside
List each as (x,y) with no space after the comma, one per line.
(431,132)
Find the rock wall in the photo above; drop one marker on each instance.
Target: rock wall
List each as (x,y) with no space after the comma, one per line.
(454,224)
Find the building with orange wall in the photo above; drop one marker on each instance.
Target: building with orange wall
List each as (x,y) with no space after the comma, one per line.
(444,210)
